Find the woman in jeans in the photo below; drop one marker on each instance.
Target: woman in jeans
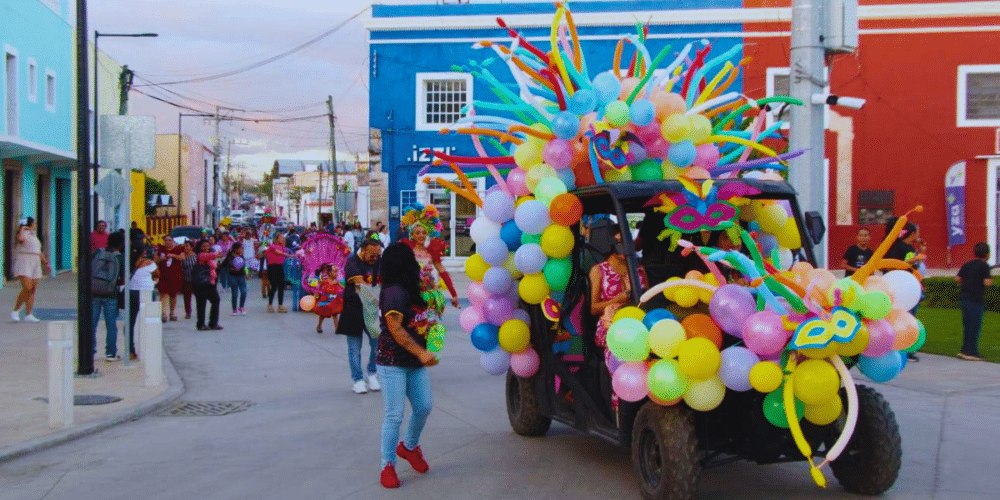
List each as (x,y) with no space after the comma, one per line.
(402,360)
(275,255)
(235,266)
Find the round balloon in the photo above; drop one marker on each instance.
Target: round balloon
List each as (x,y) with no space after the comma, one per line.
(476,267)
(665,336)
(653,316)
(530,258)
(630,381)
(532,217)
(557,273)
(731,306)
(494,251)
(565,124)
(628,340)
(774,409)
(470,317)
(499,207)
(881,369)
(734,370)
(815,382)
(548,188)
(557,241)
(826,413)
(525,363)
(698,358)
(495,362)
(565,209)
(533,288)
(514,335)
(701,325)
(511,235)
(307,302)
(497,280)
(905,287)
(485,337)
(766,376)
(483,229)
(705,395)
(764,333)
(666,381)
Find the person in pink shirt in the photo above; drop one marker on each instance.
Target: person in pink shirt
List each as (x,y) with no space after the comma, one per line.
(275,255)
(203,278)
(99,238)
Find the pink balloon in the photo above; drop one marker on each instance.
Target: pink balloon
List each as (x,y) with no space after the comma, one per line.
(649,133)
(881,335)
(764,333)
(522,315)
(515,181)
(478,293)
(497,310)
(630,381)
(558,153)
(730,307)
(707,156)
(470,317)
(659,148)
(525,363)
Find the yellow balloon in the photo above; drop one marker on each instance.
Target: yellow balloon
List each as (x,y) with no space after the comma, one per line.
(765,376)
(816,382)
(788,236)
(665,336)
(686,296)
(670,171)
(826,413)
(676,128)
(856,346)
(537,173)
(629,312)
(698,358)
(533,288)
(528,155)
(701,128)
(820,352)
(523,199)
(511,266)
(772,218)
(557,241)
(705,395)
(515,336)
(670,293)
(476,267)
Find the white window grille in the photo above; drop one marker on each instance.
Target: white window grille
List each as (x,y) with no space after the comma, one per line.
(440,99)
(779,82)
(979,95)
(50,90)
(32,80)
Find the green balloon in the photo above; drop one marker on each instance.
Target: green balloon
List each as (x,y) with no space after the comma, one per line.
(647,170)
(921,338)
(531,238)
(666,380)
(628,339)
(617,113)
(874,305)
(557,272)
(774,408)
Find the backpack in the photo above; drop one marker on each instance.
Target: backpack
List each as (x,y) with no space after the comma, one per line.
(201,274)
(105,270)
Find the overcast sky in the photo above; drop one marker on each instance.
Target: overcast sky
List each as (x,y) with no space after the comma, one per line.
(206,37)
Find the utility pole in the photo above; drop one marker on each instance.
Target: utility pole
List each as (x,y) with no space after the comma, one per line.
(229,161)
(85,340)
(216,152)
(125,79)
(333,153)
(806,77)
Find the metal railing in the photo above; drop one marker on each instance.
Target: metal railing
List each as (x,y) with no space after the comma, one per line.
(159,226)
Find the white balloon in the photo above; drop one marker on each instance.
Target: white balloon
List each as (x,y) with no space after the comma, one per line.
(483,229)
(786,257)
(905,287)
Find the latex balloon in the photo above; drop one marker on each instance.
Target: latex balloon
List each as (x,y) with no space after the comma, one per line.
(557,273)
(731,306)
(653,316)
(734,370)
(533,288)
(557,241)
(494,251)
(629,312)
(665,336)
(532,217)
(705,395)
(764,333)
(774,409)
(499,207)
(530,258)
(698,358)
(511,235)
(643,112)
(766,376)
(497,280)
(495,362)
(815,382)
(630,381)
(485,337)
(566,209)
(525,363)
(628,339)
(905,287)
(666,381)
(701,325)
(475,267)
(514,336)
(565,125)
(826,413)
(881,369)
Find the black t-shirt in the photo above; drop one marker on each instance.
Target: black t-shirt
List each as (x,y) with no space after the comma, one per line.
(973,273)
(901,250)
(857,257)
(357,267)
(416,322)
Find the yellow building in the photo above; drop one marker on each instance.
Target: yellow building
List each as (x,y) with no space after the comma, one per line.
(186,171)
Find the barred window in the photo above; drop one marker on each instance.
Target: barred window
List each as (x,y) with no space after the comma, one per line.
(441,99)
(983,96)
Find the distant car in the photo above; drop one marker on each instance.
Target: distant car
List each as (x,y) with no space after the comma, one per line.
(238,216)
(181,234)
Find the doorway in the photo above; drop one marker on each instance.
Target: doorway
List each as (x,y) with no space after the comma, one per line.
(63,222)
(11,200)
(456,212)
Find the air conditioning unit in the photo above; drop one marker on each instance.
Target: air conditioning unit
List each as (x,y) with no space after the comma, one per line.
(160,200)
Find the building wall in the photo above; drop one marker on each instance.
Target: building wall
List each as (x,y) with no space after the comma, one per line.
(191,174)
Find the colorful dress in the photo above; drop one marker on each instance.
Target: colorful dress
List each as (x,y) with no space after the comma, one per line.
(249,253)
(612,284)
(171,270)
(430,280)
(331,298)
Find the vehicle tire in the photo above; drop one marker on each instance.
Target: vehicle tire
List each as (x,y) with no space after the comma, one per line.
(523,409)
(665,452)
(870,463)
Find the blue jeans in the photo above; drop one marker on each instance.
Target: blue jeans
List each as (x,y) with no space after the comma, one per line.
(399,384)
(354,356)
(224,280)
(238,285)
(109,305)
(972,324)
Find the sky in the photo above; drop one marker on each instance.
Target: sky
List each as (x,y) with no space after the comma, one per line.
(199,38)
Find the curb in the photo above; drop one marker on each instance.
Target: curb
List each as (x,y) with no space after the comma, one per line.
(174,391)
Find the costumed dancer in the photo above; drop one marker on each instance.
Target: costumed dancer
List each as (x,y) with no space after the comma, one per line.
(424,228)
(330,299)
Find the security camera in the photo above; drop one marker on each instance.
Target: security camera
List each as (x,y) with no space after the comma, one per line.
(830,99)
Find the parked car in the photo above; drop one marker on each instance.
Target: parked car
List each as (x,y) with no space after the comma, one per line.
(238,216)
(181,234)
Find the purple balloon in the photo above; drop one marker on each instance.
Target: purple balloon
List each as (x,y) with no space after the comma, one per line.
(764,333)
(532,217)
(530,258)
(478,293)
(470,317)
(613,363)
(735,368)
(499,207)
(497,280)
(881,335)
(731,306)
(494,251)
(497,310)
(495,362)
(522,315)
(558,153)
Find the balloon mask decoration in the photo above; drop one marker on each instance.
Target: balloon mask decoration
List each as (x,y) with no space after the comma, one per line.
(668,117)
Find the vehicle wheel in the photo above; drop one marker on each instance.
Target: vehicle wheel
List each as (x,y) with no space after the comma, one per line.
(870,463)
(665,452)
(523,410)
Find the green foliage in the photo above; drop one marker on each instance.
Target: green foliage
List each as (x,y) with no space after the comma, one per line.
(942,292)
(154,186)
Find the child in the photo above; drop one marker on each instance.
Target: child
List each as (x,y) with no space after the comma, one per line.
(293,276)
(330,299)
(856,256)
(974,277)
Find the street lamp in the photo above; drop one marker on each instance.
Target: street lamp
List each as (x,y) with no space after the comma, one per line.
(97,108)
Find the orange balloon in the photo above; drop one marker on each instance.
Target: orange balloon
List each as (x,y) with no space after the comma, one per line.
(906,326)
(662,402)
(307,302)
(697,173)
(628,85)
(701,325)
(878,283)
(667,104)
(565,209)
(802,267)
(824,279)
(693,275)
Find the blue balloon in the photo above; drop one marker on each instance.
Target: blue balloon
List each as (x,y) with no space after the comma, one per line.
(682,153)
(530,258)
(494,251)
(643,112)
(902,360)
(511,235)
(883,368)
(565,125)
(495,362)
(485,337)
(583,102)
(497,280)
(607,87)
(567,177)
(655,315)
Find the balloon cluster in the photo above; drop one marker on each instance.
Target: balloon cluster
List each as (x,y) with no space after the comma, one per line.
(523,249)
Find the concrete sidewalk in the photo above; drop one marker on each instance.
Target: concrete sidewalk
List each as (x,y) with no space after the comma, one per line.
(24,421)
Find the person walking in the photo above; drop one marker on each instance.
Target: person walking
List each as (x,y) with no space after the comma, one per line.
(275,255)
(235,266)
(263,242)
(170,259)
(30,264)
(187,268)
(99,238)
(361,268)
(203,278)
(974,277)
(383,234)
(106,268)
(402,361)
(857,255)
(143,279)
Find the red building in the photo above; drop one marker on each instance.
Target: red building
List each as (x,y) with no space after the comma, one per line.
(930,72)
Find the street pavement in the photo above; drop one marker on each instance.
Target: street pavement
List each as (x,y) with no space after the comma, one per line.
(307,436)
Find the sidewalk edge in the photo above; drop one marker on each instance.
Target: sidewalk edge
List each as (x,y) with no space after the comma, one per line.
(174,391)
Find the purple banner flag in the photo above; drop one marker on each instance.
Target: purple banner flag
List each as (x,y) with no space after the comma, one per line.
(954,194)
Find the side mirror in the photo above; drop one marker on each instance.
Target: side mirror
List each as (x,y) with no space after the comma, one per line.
(815,226)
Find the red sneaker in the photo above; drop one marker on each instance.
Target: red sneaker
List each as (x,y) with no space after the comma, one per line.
(389,479)
(414,456)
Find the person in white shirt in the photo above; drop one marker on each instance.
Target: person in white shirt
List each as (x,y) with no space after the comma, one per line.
(349,240)
(144,276)
(383,234)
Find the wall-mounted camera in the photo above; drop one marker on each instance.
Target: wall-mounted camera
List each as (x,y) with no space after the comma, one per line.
(836,100)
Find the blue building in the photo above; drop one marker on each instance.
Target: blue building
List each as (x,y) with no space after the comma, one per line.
(415,91)
(37,149)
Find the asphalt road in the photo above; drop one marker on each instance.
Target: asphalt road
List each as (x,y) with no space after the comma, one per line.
(307,436)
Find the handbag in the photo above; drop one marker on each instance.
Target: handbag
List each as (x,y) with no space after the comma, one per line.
(369,295)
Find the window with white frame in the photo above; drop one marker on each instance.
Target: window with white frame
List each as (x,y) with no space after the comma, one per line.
(979,95)
(32,80)
(50,90)
(440,99)
(779,82)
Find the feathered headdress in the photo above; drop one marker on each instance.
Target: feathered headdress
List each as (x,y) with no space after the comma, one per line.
(427,217)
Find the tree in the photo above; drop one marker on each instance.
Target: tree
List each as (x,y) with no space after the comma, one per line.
(265,188)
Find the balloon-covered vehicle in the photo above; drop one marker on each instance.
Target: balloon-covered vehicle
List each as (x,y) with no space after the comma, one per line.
(726,342)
